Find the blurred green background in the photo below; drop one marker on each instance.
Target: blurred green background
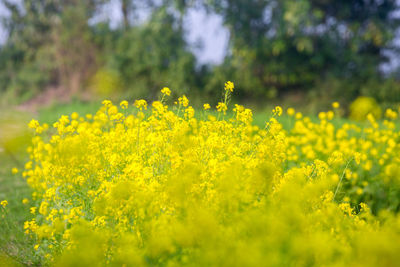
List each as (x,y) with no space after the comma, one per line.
(303,53)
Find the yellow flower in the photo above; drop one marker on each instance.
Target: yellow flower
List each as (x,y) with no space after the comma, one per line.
(33,124)
(166,91)
(112,110)
(229,86)
(330,115)
(290,111)
(184,101)
(357,157)
(140,104)
(277,111)
(189,112)
(74,116)
(167,183)
(4,203)
(124,104)
(221,107)
(335,105)
(14,170)
(391,114)
(359,191)
(33,210)
(322,115)
(106,103)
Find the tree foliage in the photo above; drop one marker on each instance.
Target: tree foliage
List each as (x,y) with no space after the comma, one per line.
(298,44)
(331,47)
(153,55)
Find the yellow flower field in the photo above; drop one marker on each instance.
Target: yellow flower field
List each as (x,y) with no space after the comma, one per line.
(175,186)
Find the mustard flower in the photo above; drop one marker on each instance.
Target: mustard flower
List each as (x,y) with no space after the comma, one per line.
(290,111)
(166,91)
(74,115)
(229,86)
(33,124)
(140,104)
(221,107)
(189,112)
(335,105)
(183,101)
(124,104)
(4,203)
(149,187)
(106,103)
(277,111)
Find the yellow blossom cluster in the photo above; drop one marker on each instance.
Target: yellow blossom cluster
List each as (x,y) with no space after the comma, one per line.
(4,203)
(365,156)
(229,86)
(166,188)
(166,91)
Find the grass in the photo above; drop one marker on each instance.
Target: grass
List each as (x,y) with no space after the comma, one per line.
(52,113)
(15,246)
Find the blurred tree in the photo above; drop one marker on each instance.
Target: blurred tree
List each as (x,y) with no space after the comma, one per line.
(130,9)
(126,7)
(297,44)
(276,46)
(153,55)
(49,44)
(52,43)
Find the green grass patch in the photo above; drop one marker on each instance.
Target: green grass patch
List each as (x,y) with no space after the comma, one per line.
(16,248)
(53,113)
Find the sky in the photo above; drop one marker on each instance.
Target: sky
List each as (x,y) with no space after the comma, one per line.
(205,33)
(209,31)
(3,33)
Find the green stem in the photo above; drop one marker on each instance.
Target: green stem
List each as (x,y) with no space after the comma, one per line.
(341,178)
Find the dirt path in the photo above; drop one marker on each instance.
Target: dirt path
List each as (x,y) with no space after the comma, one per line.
(46,98)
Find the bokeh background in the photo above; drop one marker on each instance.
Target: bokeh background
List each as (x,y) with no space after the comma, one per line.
(302,53)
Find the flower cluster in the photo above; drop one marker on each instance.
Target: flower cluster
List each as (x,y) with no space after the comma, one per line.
(4,203)
(229,86)
(364,153)
(166,188)
(166,91)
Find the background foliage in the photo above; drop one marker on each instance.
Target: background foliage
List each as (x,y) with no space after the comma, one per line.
(313,48)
